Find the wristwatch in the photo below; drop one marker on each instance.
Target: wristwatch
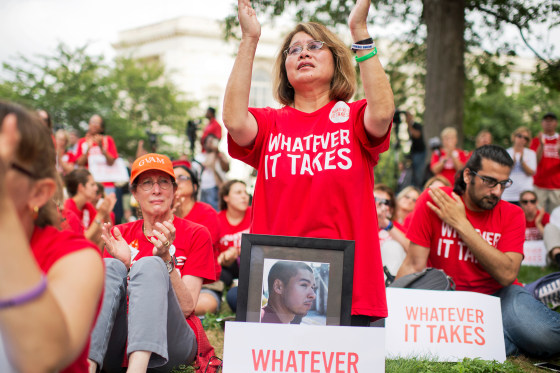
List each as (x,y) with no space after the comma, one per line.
(171,264)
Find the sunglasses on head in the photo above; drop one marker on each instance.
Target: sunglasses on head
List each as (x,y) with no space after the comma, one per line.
(526,201)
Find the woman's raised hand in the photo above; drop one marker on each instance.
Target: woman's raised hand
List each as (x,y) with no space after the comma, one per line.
(115,244)
(250,26)
(357,21)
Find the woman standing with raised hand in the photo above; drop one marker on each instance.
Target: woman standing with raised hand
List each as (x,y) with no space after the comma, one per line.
(50,280)
(315,156)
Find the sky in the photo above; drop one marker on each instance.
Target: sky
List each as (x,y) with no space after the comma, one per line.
(30,27)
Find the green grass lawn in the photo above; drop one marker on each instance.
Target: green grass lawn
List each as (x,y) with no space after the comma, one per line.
(214,325)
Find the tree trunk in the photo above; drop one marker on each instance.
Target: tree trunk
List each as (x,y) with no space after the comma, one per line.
(445,70)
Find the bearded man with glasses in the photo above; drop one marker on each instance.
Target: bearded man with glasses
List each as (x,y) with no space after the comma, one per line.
(477,239)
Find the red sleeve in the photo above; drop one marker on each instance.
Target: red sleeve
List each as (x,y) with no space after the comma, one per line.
(435,158)
(200,260)
(513,234)
(373,145)
(252,153)
(111,147)
(423,221)
(546,219)
(79,147)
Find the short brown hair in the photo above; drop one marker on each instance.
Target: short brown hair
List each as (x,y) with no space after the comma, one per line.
(343,83)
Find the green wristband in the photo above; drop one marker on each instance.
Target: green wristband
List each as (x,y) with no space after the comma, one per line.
(367,56)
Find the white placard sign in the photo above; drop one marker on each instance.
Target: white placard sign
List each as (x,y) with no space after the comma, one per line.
(261,348)
(444,325)
(102,172)
(535,253)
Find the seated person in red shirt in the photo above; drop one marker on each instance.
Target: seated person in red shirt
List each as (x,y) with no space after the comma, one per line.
(50,281)
(234,219)
(157,265)
(477,239)
(449,159)
(535,218)
(82,190)
(186,206)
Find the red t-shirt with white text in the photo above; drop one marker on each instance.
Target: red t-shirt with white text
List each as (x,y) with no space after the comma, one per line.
(448,170)
(315,179)
(531,231)
(48,246)
(503,227)
(204,214)
(547,175)
(231,234)
(192,243)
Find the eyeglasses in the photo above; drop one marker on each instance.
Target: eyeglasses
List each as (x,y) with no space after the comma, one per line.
(183,178)
(148,184)
(312,46)
(522,137)
(23,170)
(526,201)
(382,201)
(490,182)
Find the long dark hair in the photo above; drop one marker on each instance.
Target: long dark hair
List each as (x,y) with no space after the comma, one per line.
(493,153)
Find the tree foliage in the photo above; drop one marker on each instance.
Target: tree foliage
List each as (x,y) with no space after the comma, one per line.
(484,24)
(133,96)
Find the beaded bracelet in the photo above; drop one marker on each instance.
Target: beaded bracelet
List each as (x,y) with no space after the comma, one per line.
(367,56)
(27,296)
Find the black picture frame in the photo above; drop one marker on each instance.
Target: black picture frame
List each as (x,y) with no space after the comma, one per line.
(339,254)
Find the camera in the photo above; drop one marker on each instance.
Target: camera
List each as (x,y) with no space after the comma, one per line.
(397,116)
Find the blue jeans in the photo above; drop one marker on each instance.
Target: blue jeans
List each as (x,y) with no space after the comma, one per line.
(530,327)
(154,321)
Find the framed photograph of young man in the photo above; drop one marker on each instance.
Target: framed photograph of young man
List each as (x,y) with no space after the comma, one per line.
(295,280)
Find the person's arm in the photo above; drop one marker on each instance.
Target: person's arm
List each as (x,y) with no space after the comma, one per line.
(108,149)
(42,334)
(415,261)
(224,162)
(525,167)
(540,147)
(379,96)
(538,221)
(437,166)
(503,267)
(241,125)
(457,163)
(400,237)
(93,232)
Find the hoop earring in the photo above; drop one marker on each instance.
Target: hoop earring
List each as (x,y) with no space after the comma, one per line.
(35,212)
(290,86)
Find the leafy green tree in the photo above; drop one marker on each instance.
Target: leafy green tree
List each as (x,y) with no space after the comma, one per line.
(133,96)
(447,30)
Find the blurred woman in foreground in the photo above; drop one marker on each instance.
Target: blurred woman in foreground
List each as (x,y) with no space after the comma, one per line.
(50,280)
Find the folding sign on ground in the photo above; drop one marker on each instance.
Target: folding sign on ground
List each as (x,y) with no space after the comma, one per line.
(444,325)
(254,347)
(535,253)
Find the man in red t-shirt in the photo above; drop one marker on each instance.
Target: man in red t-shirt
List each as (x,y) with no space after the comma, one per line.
(478,240)
(547,177)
